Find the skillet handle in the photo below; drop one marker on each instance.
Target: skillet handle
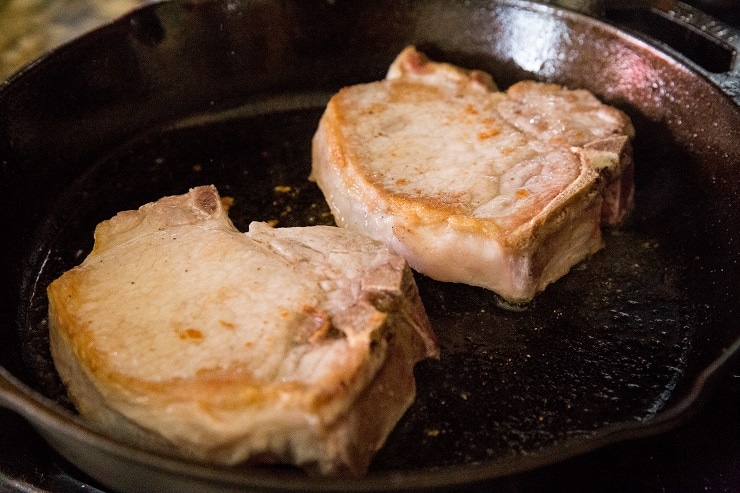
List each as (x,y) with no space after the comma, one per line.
(711,44)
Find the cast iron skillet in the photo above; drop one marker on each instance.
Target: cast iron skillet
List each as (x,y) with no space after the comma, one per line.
(181,94)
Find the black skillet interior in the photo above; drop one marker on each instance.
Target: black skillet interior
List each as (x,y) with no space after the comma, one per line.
(230,93)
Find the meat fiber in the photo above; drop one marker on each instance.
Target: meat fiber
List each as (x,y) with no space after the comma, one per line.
(504,190)
(291,345)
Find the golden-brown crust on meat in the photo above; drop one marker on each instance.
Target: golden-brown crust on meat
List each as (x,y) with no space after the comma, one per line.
(146,349)
(376,156)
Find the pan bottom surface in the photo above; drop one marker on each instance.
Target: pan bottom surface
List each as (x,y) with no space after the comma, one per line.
(605,349)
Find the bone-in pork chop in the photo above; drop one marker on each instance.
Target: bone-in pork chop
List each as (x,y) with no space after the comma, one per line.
(291,345)
(504,190)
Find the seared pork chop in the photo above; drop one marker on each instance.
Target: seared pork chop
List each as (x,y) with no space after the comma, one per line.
(291,345)
(504,190)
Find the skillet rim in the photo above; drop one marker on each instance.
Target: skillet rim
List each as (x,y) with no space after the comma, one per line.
(45,412)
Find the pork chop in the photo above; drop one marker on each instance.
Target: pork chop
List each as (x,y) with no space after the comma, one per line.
(503,190)
(291,345)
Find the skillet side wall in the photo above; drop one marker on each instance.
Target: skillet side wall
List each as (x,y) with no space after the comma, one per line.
(172,60)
